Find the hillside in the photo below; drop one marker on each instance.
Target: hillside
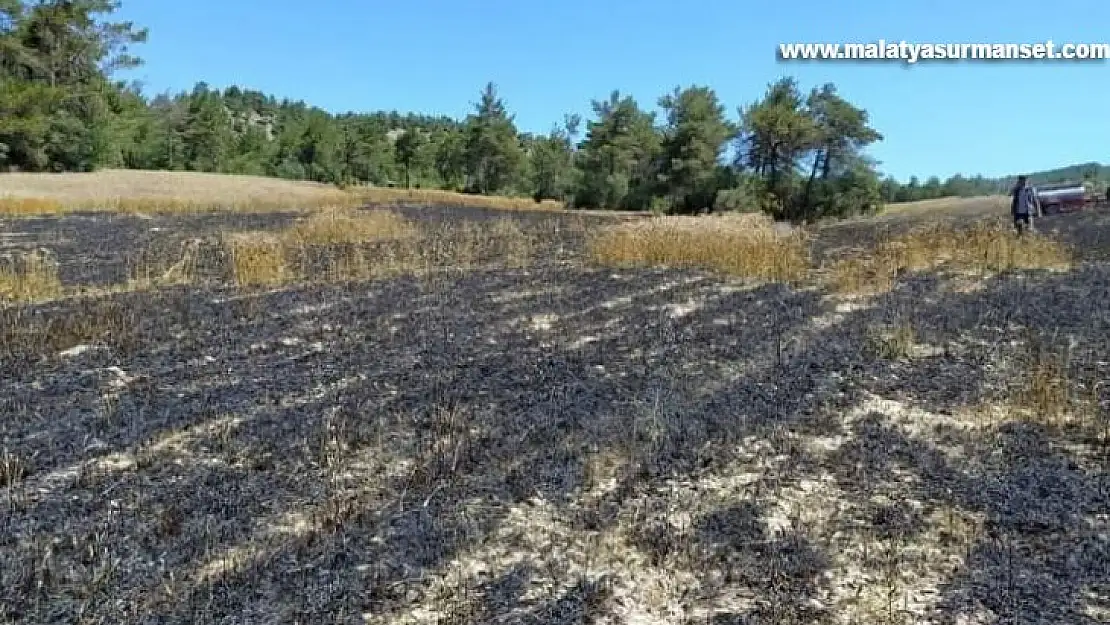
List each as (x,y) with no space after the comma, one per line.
(1093,172)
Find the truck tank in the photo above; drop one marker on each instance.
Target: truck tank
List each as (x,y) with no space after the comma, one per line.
(1061,197)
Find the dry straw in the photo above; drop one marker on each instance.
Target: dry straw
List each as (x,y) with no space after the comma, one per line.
(28,277)
(986,246)
(343,244)
(750,246)
(134,191)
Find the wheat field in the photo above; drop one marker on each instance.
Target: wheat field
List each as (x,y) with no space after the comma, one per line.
(183,192)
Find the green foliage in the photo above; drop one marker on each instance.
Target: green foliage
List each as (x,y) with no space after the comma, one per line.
(748,195)
(807,153)
(840,181)
(551,160)
(56,99)
(956,186)
(693,141)
(1094,175)
(316,147)
(857,191)
(409,150)
(25,122)
(493,153)
(449,156)
(619,156)
(775,133)
(207,138)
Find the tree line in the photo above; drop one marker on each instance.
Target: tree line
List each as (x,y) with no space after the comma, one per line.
(794,154)
(933,188)
(1095,176)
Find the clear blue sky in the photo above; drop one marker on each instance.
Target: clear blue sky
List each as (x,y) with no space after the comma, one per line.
(552,57)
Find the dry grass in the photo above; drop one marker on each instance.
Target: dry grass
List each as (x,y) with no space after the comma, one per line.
(895,343)
(949,206)
(336,225)
(30,206)
(25,336)
(152,271)
(516,247)
(748,246)
(160,192)
(987,246)
(352,245)
(134,191)
(28,277)
(382,195)
(752,246)
(470,244)
(1051,390)
(259,259)
(334,244)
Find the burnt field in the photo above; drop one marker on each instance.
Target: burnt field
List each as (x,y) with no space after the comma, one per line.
(1087,231)
(102,248)
(503,426)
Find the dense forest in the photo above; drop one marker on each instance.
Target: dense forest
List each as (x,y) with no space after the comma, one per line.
(795,154)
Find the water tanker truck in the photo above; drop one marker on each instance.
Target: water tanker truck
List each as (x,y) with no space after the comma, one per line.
(1062,197)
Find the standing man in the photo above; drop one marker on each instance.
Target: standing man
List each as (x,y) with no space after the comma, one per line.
(1023,205)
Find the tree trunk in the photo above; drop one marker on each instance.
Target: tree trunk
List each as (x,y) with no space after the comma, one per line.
(819,159)
(826,167)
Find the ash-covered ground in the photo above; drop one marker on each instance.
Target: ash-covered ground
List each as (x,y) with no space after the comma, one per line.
(554,444)
(1088,231)
(102,248)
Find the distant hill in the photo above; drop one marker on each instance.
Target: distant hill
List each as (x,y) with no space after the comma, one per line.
(1095,175)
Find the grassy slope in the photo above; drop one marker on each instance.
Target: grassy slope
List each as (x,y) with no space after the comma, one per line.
(164,191)
(950,204)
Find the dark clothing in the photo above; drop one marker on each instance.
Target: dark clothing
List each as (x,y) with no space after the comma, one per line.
(1023,201)
(1023,205)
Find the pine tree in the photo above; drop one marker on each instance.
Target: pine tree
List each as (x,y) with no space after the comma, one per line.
(493,153)
(695,138)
